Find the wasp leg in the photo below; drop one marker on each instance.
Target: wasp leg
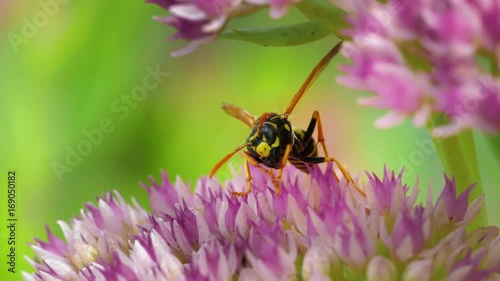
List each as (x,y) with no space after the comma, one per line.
(283,163)
(310,130)
(345,173)
(257,164)
(321,138)
(249,180)
(249,159)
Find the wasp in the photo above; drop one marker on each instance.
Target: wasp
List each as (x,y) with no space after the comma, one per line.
(273,140)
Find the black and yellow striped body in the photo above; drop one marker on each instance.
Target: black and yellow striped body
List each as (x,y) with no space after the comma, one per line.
(302,148)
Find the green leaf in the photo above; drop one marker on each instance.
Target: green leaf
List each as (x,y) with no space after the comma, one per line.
(321,10)
(280,36)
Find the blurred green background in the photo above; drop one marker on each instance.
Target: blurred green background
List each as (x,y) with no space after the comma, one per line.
(63,74)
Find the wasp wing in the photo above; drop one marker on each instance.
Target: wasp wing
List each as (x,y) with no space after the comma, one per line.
(240,114)
(312,77)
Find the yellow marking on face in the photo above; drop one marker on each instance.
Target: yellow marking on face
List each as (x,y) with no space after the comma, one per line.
(264,138)
(263,149)
(287,127)
(276,142)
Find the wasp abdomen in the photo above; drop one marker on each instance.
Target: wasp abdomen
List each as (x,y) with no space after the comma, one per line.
(302,149)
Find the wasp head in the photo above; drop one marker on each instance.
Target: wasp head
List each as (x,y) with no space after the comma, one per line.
(266,144)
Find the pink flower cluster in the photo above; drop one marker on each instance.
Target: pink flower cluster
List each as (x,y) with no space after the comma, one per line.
(425,56)
(199,21)
(315,229)
(418,57)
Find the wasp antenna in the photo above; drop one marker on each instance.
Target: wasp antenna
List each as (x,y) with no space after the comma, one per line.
(312,77)
(263,118)
(227,157)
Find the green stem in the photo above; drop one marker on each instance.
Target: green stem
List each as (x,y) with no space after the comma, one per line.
(494,142)
(495,71)
(458,156)
(437,145)
(469,149)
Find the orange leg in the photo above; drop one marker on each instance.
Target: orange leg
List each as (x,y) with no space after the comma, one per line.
(249,181)
(346,175)
(257,164)
(277,182)
(249,159)
(321,139)
(321,136)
